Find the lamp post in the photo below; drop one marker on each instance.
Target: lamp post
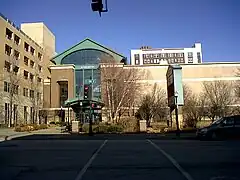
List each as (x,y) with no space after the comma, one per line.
(176,113)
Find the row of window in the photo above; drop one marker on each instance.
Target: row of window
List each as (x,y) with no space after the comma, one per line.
(17,41)
(157,61)
(12,88)
(31,63)
(26,74)
(163,55)
(16,54)
(30,76)
(15,114)
(153,58)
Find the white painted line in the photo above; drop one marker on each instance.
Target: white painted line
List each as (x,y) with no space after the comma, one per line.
(84,169)
(173,161)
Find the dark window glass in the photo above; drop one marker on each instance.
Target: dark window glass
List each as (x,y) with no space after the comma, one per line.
(15,113)
(84,57)
(5,86)
(25,114)
(63,92)
(199,57)
(136,57)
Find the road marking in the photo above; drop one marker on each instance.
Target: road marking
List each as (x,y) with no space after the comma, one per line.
(84,169)
(173,161)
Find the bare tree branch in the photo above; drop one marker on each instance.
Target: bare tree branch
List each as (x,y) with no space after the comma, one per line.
(218,95)
(119,86)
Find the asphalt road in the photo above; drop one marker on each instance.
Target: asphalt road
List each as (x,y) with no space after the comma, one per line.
(139,157)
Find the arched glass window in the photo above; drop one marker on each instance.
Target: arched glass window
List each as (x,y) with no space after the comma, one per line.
(84,57)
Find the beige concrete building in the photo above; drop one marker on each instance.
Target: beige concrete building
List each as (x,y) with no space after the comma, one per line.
(24,60)
(34,78)
(193,75)
(74,66)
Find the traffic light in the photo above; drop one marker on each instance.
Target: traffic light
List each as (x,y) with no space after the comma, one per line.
(97,5)
(94,105)
(87,92)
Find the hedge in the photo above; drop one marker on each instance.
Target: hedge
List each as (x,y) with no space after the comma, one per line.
(30,127)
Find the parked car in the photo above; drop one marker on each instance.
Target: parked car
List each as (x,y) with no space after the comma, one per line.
(223,128)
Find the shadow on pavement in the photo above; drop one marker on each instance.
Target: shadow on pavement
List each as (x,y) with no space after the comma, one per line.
(106,137)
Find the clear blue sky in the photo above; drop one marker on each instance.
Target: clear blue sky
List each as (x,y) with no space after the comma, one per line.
(130,24)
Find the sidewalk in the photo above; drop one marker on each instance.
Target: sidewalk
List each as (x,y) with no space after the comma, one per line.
(9,133)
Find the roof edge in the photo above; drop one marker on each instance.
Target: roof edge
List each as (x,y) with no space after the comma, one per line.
(52,59)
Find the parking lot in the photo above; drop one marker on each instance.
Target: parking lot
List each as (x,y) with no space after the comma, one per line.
(117,157)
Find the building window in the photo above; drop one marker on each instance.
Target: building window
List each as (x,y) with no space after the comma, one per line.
(38,95)
(31,76)
(40,56)
(170,55)
(136,57)
(26,46)
(40,68)
(32,114)
(63,92)
(9,33)
(25,74)
(16,39)
(25,114)
(39,79)
(31,94)
(15,70)
(6,114)
(199,57)
(180,54)
(190,54)
(7,66)
(25,92)
(32,50)
(16,55)
(190,60)
(31,64)
(26,59)
(15,113)
(8,50)
(15,89)
(6,86)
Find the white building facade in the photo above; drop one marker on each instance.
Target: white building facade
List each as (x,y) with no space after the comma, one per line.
(147,55)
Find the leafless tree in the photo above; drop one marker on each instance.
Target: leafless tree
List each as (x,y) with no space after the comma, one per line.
(11,78)
(219,96)
(153,104)
(36,89)
(193,109)
(119,86)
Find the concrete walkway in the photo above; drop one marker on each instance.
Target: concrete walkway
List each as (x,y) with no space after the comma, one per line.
(9,133)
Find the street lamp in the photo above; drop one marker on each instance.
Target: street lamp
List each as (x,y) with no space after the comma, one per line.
(176,113)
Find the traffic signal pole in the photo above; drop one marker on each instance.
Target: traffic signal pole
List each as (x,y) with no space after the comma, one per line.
(90,132)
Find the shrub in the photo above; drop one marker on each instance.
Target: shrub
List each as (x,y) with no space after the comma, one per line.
(114,129)
(100,128)
(85,127)
(103,128)
(30,127)
(43,126)
(52,122)
(129,124)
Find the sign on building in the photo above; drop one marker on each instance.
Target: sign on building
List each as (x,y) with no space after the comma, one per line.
(174,85)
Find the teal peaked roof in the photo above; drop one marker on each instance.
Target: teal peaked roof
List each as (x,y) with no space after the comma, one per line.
(86,44)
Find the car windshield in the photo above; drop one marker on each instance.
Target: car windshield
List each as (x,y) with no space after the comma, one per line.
(217,121)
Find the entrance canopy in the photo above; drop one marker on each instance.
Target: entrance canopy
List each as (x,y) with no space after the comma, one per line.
(80,103)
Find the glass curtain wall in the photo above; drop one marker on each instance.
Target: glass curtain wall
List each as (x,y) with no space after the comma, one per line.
(86,63)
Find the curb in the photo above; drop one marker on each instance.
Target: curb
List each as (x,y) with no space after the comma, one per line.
(8,138)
